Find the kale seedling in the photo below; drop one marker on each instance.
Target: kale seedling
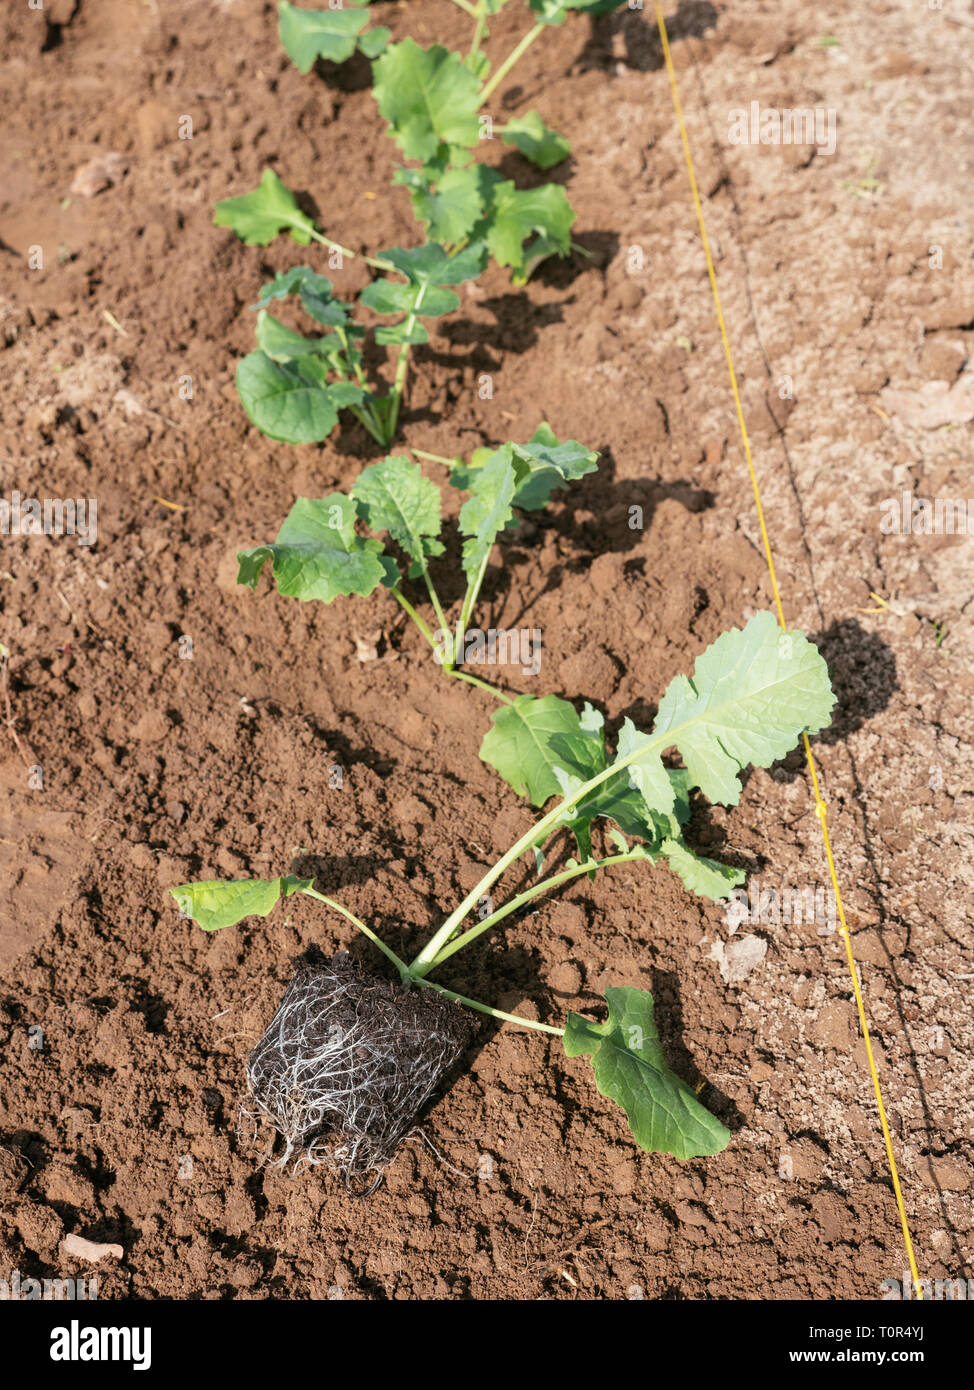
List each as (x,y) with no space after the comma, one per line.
(293,387)
(433,100)
(320,554)
(347,1063)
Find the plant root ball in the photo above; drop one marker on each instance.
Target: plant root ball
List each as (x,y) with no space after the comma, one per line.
(348,1062)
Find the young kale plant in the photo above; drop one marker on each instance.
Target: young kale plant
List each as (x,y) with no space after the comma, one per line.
(348,1061)
(434,102)
(293,387)
(320,554)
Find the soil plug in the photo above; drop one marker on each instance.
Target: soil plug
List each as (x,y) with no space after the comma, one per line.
(348,1062)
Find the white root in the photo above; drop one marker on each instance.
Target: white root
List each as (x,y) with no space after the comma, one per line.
(347,1064)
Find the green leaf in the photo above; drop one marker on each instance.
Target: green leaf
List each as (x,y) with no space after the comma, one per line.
(311,34)
(374,41)
(392,297)
(556,11)
(257,217)
(705,877)
(450,209)
(518,744)
(282,344)
(289,282)
(752,694)
(431,265)
(394,335)
(549,464)
(215,905)
(647,775)
(314,292)
(291,401)
(428,269)
(428,97)
(553,464)
(394,496)
(488,509)
(663,1113)
(545,748)
(317,554)
(516,214)
(536,141)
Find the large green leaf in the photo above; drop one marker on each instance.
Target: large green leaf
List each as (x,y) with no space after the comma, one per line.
(428,271)
(431,265)
(311,34)
(752,694)
(450,207)
(543,747)
(536,141)
(556,11)
(518,744)
(515,215)
(292,401)
(282,344)
(214,905)
(428,97)
(394,496)
(488,509)
(708,878)
(393,297)
(257,217)
(317,554)
(663,1113)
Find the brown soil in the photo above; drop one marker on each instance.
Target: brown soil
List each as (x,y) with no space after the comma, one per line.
(158,769)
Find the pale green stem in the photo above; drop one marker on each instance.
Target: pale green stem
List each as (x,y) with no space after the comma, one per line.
(534,891)
(448,668)
(434,596)
(467,7)
(387,951)
(373,261)
(479,28)
(469,599)
(423,627)
(429,984)
(400,382)
(362,412)
(517,53)
(494,1013)
(484,685)
(355,365)
(366,420)
(659,742)
(434,458)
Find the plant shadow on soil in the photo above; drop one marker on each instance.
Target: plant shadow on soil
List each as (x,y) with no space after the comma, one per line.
(864,677)
(643,49)
(670,1023)
(607,532)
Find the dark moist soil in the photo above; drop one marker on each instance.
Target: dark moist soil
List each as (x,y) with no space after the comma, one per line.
(124,1029)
